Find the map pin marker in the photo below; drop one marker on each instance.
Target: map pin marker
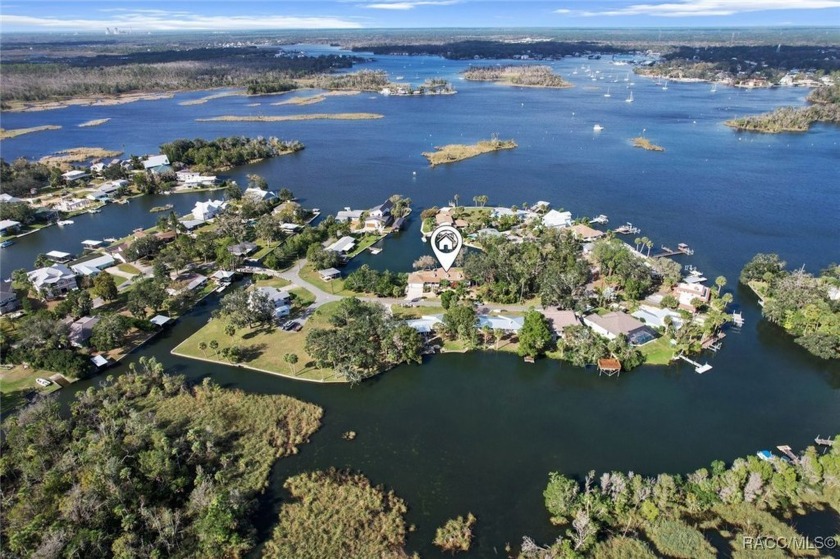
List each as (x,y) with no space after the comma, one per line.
(446,244)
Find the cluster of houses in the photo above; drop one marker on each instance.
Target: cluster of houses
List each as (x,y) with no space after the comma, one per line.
(378,219)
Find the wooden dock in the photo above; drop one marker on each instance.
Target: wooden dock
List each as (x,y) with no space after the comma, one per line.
(786,450)
(667,251)
(823,442)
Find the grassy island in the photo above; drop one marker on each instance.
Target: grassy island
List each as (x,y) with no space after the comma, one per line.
(824,107)
(282,118)
(525,76)
(458,152)
(644,143)
(75,155)
(6,134)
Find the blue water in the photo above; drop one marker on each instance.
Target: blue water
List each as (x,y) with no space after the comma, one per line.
(479,432)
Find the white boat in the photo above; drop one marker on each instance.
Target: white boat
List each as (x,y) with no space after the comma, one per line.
(65,222)
(714,87)
(94,211)
(629,99)
(607,94)
(665,86)
(110,239)
(597,128)
(599,219)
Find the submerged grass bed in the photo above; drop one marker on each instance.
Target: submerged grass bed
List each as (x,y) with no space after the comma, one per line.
(281,118)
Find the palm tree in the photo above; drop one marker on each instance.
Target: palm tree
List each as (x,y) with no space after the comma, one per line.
(203,347)
(498,333)
(720,281)
(291,359)
(214,345)
(649,245)
(636,242)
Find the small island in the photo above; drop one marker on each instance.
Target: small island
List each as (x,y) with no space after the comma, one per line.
(94,122)
(15,132)
(75,155)
(458,152)
(644,143)
(282,118)
(523,76)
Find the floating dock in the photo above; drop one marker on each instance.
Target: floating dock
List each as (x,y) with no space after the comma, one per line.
(698,368)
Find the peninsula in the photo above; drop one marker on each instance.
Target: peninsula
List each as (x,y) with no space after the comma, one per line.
(15,132)
(824,107)
(458,152)
(523,76)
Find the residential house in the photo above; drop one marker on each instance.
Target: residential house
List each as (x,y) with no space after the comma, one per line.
(118,251)
(190,283)
(343,245)
(72,204)
(259,195)
(8,298)
(191,180)
(156,163)
(107,190)
(499,322)
(53,281)
(208,209)
(223,277)
(93,266)
(81,330)
(346,214)
(379,217)
(59,256)
(8,227)
(560,319)
(614,324)
(425,324)
(242,249)
(585,233)
(429,281)
(281,299)
(329,274)
(74,175)
(444,218)
(688,292)
(557,219)
(655,316)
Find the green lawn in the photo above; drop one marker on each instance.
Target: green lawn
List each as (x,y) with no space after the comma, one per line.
(119,280)
(279,283)
(128,269)
(368,239)
(336,286)
(406,313)
(17,381)
(265,349)
(658,352)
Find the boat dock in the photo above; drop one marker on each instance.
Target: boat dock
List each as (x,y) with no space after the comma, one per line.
(698,368)
(823,442)
(627,229)
(681,249)
(786,450)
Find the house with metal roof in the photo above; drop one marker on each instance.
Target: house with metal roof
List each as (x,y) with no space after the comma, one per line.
(53,281)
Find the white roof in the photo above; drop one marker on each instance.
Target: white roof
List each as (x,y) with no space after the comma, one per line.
(155,161)
(344,244)
(73,175)
(329,272)
(7,198)
(424,324)
(89,267)
(223,274)
(557,219)
(655,316)
(92,243)
(99,361)
(510,323)
(6,223)
(275,295)
(57,254)
(258,194)
(348,215)
(160,320)
(50,274)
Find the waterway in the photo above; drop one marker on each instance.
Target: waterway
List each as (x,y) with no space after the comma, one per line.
(480,432)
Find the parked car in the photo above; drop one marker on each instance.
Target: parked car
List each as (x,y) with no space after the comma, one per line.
(288,325)
(43,381)
(295,326)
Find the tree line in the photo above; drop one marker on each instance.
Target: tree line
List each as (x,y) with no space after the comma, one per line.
(224,153)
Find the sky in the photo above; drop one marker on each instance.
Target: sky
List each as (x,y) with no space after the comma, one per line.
(221,15)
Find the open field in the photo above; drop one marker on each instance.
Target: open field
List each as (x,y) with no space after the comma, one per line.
(17,381)
(264,349)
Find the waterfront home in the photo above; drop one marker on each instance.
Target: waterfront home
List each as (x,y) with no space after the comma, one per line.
(190,224)
(59,256)
(443,218)
(93,266)
(343,245)
(378,217)
(107,190)
(156,163)
(499,322)
(161,320)
(118,251)
(615,324)
(72,204)
(259,195)
(192,180)
(346,215)
(430,281)
(281,299)
(208,209)
(190,283)
(541,206)
(53,281)
(655,316)
(8,298)
(585,233)
(425,324)
(689,293)
(8,227)
(7,199)
(242,249)
(329,274)
(75,175)
(223,277)
(557,219)
(521,215)
(81,330)
(560,319)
